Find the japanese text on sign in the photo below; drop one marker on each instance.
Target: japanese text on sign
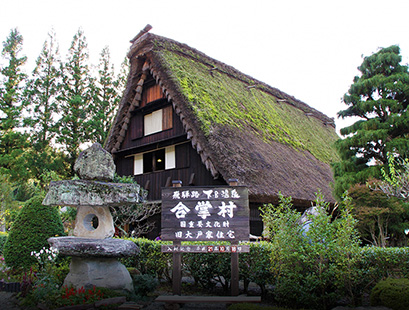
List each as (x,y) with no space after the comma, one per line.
(191,213)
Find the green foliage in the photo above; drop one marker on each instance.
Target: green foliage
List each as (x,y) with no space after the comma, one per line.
(312,268)
(381,219)
(144,284)
(396,177)
(253,265)
(33,226)
(379,97)
(391,293)
(8,205)
(3,238)
(106,97)
(380,263)
(41,103)
(150,260)
(75,99)
(12,141)
(208,269)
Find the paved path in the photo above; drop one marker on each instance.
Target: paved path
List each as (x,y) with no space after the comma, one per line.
(7,301)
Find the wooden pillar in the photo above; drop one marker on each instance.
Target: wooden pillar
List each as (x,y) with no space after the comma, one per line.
(177,260)
(234,282)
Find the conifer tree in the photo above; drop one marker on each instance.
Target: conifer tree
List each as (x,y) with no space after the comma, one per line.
(379,97)
(106,99)
(75,99)
(12,141)
(41,96)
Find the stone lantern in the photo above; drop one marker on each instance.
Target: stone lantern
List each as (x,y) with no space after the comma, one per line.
(93,250)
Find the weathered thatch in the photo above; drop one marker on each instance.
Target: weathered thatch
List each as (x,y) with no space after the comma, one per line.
(241,127)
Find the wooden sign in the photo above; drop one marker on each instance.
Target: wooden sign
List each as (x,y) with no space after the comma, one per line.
(205,248)
(205,214)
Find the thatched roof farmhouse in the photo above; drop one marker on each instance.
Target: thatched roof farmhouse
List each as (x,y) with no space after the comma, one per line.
(210,122)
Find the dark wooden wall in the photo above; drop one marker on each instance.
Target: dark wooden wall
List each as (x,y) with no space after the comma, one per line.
(188,162)
(134,135)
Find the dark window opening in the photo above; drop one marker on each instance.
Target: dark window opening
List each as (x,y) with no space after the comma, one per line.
(154,161)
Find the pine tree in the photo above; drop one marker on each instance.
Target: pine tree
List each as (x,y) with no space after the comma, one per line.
(41,95)
(106,99)
(75,99)
(12,141)
(379,97)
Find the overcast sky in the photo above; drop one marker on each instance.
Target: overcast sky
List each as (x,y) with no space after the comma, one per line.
(308,49)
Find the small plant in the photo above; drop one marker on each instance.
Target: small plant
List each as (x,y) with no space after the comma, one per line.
(392,293)
(144,284)
(71,296)
(46,258)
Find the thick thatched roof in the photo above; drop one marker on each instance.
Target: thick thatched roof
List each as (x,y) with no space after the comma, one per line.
(242,128)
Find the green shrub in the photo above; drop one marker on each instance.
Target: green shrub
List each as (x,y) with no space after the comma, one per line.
(380,263)
(150,259)
(3,238)
(392,293)
(209,269)
(33,226)
(255,265)
(144,284)
(317,267)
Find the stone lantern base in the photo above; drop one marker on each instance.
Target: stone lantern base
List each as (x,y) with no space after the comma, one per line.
(100,272)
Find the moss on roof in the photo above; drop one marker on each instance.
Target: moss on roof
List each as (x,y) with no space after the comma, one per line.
(220,97)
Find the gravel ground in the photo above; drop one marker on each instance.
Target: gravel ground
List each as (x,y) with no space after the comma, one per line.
(8,301)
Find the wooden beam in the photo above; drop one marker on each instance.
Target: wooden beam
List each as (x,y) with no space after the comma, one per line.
(177,260)
(207,299)
(141,33)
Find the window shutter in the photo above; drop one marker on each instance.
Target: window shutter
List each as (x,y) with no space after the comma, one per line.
(167,118)
(136,126)
(153,122)
(170,157)
(138,164)
(151,93)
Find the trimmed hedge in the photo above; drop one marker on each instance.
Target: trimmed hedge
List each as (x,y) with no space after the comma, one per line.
(208,269)
(381,263)
(372,265)
(392,293)
(33,226)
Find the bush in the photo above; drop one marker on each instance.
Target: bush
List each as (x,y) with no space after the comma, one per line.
(381,263)
(144,284)
(33,226)
(150,259)
(3,238)
(255,265)
(208,269)
(317,267)
(392,293)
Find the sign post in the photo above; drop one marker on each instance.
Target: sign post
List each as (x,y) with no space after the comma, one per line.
(205,214)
